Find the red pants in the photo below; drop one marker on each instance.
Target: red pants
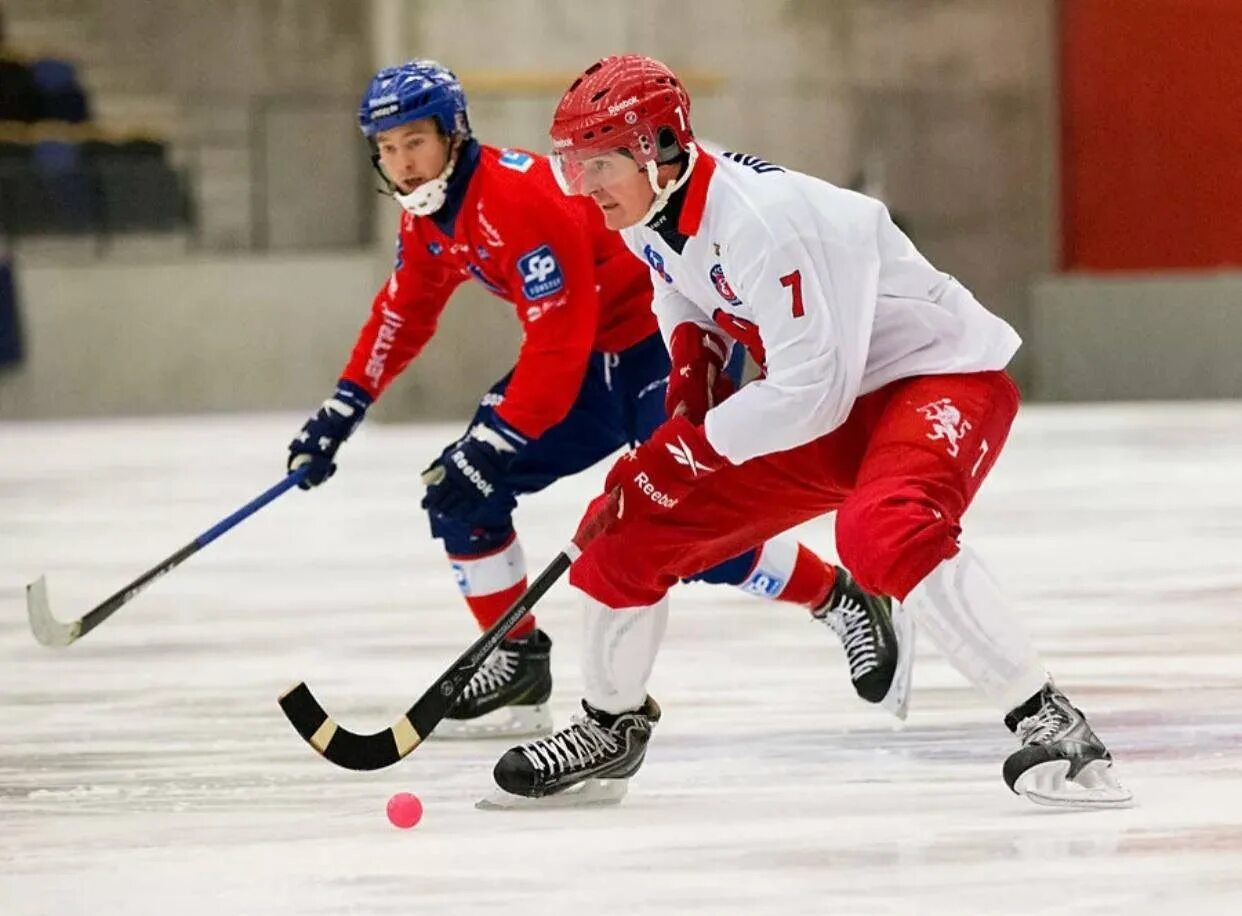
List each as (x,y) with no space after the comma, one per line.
(899,473)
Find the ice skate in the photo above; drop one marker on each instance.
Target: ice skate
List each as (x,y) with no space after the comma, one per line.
(587,763)
(508,695)
(1061,762)
(878,637)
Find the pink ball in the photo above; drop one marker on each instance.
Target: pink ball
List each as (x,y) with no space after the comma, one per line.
(405,810)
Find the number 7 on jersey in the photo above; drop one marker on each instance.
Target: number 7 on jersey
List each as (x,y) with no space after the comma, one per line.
(794,282)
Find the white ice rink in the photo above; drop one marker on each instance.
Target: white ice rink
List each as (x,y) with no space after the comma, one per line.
(148,770)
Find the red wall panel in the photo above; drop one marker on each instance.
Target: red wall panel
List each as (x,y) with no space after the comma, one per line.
(1151,134)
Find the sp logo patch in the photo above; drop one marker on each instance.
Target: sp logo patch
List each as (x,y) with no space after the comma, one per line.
(541,274)
(722,285)
(516,159)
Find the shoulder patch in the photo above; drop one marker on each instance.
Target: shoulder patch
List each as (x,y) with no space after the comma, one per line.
(516,159)
(541,274)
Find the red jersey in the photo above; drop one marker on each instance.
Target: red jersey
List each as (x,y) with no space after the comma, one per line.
(574,285)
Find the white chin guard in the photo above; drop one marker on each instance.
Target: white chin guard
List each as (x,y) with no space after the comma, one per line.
(426,199)
(429,196)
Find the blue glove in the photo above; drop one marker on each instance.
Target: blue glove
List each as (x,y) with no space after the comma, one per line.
(467,473)
(323,433)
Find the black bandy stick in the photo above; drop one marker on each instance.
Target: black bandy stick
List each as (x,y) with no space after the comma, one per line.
(355,751)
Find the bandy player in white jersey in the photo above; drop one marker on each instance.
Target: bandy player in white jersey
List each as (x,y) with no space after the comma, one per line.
(883,399)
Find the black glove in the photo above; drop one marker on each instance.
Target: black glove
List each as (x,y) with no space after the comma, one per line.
(468,472)
(323,433)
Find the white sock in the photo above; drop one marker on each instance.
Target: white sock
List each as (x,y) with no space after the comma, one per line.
(493,572)
(960,606)
(773,569)
(618,651)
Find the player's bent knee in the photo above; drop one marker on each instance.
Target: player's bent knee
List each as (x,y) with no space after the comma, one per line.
(890,537)
(612,572)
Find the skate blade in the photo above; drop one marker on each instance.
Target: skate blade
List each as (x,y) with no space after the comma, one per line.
(507,722)
(592,793)
(1096,786)
(897,700)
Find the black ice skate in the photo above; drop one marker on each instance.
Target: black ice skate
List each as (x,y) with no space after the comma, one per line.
(878,637)
(1061,761)
(508,695)
(587,763)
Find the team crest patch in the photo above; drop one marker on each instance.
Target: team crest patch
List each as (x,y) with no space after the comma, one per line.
(722,286)
(541,274)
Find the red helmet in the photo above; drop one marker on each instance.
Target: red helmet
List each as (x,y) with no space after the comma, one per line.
(627,103)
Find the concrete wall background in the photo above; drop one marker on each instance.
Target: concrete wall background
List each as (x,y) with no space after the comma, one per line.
(1137,337)
(229,333)
(944,108)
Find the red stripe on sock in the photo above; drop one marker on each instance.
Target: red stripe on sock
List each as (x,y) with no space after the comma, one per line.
(487,609)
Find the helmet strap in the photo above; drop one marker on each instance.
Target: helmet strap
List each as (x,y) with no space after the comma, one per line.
(662,194)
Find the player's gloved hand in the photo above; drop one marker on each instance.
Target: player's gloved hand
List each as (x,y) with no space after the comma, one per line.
(697,381)
(467,473)
(324,432)
(656,475)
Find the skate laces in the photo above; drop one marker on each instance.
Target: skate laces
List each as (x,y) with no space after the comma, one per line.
(850,621)
(1045,724)
(497,671)
(579,745)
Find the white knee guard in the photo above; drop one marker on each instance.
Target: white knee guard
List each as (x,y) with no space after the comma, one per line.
(618,651)
(961,608)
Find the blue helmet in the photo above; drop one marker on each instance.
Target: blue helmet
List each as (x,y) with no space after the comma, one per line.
(417,89)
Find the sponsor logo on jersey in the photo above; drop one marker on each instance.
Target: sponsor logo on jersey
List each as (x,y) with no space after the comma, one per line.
(623,104)
(760,166)
(490,235)
(947,423)
(435,248)
(483,253)
(656,260)
(400,262)
(535,312)
(516,159)
(384,339)
(541,275)
(722,285)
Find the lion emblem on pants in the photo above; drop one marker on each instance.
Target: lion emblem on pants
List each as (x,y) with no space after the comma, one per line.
(947,423)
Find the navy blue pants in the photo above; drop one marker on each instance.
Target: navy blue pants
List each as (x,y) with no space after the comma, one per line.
(620,404)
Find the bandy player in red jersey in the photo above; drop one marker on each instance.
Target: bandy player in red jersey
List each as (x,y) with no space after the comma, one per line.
(592,376)
(884,398)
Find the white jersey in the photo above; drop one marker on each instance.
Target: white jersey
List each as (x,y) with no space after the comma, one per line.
(820,281)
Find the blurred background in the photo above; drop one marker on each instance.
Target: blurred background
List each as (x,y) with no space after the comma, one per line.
(188,220)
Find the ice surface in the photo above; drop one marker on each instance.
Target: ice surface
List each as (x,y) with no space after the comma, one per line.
(147,769)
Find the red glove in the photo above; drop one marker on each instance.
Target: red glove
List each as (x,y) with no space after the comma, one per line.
(696,381)
(656,475)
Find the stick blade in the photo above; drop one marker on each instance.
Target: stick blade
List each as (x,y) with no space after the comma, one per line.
(47,629)
(340,746)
